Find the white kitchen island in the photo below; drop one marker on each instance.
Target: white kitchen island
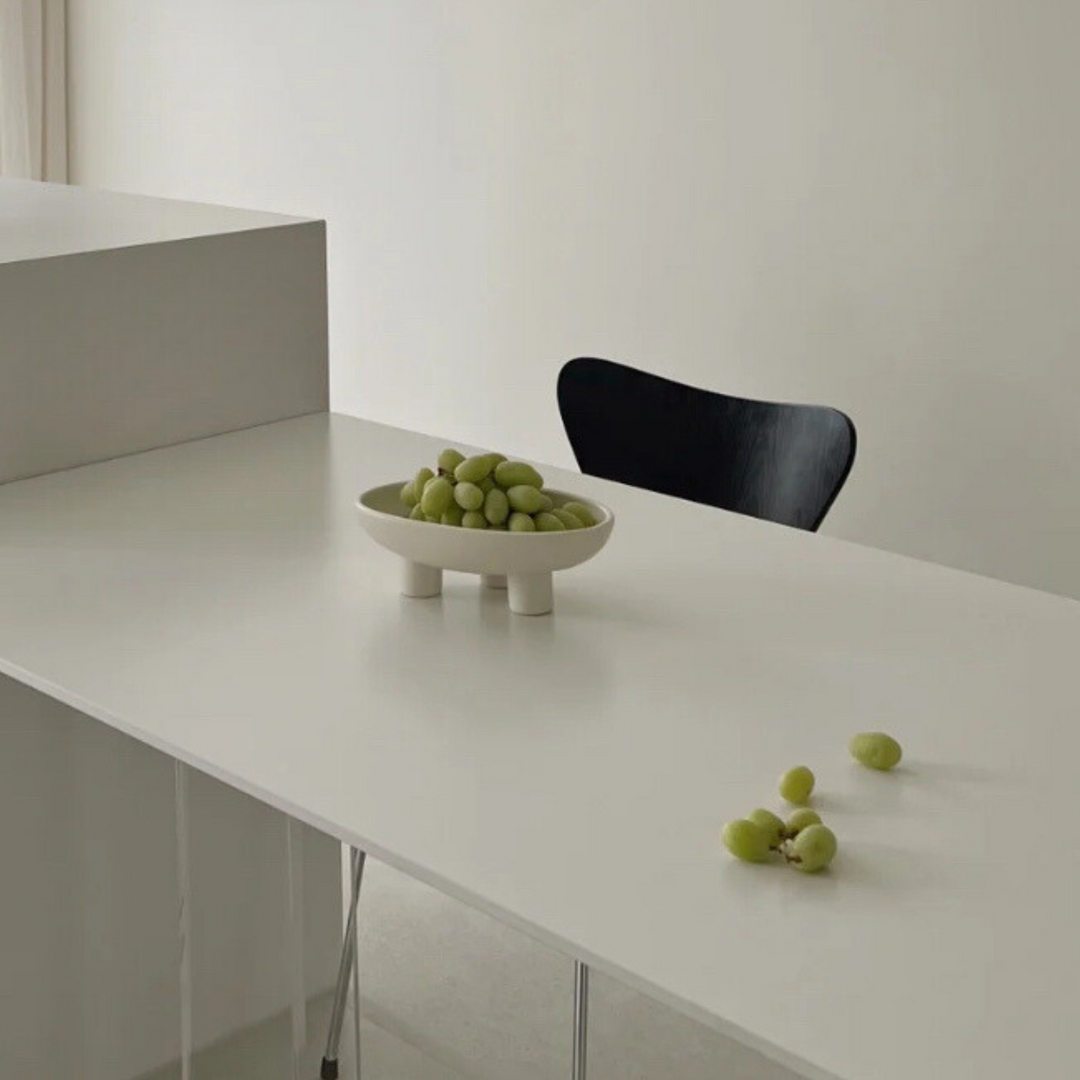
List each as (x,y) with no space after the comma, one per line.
(127,323)
(569,774)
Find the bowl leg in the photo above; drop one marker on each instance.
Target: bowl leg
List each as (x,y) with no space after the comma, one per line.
(419,580)
(493,581)
(530,594)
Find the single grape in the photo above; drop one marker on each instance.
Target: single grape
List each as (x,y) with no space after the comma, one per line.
(452,515)
(520,522)
(813,849)
(496,506)
(449,460)
(796,785)
(546,522)
(421,478)
(773,826)
(496,459)
(799,820)
(746,840)
(526,498)
(416,514)
(437,497)
(486,484)
(566,518)
(510,474)
(474,519)
(433,519)
(875,750)
(473,470)
(468,496)
(581,512)
(408,494)
(547,504)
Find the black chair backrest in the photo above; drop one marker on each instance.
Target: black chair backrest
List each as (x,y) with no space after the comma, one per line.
(783,463)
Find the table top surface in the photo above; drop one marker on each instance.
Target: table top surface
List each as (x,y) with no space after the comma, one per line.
(39,221)
(569,774)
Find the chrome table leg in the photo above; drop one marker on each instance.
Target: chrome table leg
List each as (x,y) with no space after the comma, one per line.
(329,1069)
(581,1019)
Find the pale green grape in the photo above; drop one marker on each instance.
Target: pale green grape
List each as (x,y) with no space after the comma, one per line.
(500,527)
(568,519)
(746,840)
(496,459)
(510,474)
(813,849)
(521,522)
(421,478)
(496,506)
(546,522)
(796,785)
(799,820)
(474,519)
(408,494)
(452,515)
(581,512)
(876,750)
(546,502)
(449,460)
(468,496)
(772,825)
(486,484)
(526,498)
(437,497)
(416,513)
(473,470)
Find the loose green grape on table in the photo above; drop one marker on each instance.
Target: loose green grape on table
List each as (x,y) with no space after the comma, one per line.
(746,840)
(876,750)
(796,785)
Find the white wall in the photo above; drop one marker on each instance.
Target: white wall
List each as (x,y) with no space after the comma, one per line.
(868,203)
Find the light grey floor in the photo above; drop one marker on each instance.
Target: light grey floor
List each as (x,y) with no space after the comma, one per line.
(263,1053)
(495,1005)
(450,994)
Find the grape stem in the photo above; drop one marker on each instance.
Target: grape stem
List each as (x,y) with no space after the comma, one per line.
(785,850)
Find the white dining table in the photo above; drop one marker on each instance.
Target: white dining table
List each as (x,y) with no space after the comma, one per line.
(569,774)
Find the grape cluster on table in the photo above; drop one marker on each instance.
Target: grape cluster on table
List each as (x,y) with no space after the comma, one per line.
(487,491)
(803,841)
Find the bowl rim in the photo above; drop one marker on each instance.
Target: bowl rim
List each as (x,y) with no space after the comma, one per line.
(395,486)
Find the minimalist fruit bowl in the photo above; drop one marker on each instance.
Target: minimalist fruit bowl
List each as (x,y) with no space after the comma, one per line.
(521,562)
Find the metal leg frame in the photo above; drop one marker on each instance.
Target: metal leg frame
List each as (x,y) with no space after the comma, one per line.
(329,1069)
(581,1019)
(347,968)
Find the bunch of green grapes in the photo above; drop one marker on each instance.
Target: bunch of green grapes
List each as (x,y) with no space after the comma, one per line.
(487,491)
(803,840)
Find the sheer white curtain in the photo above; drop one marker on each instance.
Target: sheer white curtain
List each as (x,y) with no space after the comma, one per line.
(33,112)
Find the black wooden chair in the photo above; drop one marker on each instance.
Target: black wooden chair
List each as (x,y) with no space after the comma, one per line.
(783,463)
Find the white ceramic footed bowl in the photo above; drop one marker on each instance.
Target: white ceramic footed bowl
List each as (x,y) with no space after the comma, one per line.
(523,562)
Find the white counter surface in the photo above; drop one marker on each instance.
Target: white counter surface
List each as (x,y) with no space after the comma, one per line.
(38,221)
